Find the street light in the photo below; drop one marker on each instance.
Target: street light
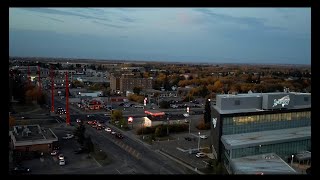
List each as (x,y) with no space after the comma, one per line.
(168,126)
(199,143)
(292,159)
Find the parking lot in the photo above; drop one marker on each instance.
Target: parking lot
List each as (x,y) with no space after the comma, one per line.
(50,164)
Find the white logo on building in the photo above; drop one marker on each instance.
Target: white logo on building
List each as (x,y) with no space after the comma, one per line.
(214,122)
(283,101)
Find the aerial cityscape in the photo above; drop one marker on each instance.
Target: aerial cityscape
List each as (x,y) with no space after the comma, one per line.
(159,91)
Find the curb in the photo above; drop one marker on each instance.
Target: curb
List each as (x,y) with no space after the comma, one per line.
(179,161)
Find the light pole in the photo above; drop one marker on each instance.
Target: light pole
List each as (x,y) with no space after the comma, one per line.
(168,126)
(292,159)
(199,143)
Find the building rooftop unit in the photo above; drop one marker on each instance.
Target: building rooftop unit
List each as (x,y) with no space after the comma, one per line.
(261,164)
(243,140)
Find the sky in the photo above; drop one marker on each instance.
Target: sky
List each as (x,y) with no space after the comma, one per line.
(191,35)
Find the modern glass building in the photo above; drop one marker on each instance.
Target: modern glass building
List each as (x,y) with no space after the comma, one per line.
(258,123)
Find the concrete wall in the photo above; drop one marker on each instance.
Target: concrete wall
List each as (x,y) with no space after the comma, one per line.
(229,103)
(302,99)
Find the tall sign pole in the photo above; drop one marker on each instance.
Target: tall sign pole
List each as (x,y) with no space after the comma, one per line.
(52,90)
(39,79)
(67,100)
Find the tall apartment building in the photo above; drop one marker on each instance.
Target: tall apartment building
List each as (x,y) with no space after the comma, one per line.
(114,83)
(128,82)
(246,125)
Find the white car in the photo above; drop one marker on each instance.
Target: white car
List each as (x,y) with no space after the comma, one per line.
(203,136)
(200,155)
(108,130)
(68,136)
(62,162)
(54,152)
(61,157)
(113,132)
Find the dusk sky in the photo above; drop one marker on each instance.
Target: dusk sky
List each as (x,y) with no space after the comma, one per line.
(212,35)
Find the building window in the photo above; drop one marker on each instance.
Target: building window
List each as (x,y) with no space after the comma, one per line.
(237,102)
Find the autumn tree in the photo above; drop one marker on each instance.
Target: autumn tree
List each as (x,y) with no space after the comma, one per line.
(116,116)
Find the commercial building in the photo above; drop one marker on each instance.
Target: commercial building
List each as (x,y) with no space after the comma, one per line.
(127,82)
(32,138)
(258,123)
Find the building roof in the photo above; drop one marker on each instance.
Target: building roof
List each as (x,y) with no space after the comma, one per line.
(32,134)
(261,164)
(243,140)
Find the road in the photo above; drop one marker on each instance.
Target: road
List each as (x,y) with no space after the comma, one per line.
(132,154)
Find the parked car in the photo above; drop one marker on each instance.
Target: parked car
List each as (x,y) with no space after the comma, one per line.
(62,162)
(54,152)
(193,151)
(20,170)
(200,155)
(68,136)
(61,157)
(203,136)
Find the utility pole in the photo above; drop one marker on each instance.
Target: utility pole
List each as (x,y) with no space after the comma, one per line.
(199,143)
(39,79)
(67,100)
(29,78)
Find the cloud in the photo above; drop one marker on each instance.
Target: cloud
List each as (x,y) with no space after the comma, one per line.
(252,22)
(55,19)
(61,12)
(126,19)
(109,25)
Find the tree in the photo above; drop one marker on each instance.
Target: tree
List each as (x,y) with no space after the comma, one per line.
(158,131)
(116,116)
(80,134)
(89,145)
(137,90)
(207,112)
(204,91)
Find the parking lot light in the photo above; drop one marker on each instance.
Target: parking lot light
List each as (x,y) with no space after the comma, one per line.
(199,143)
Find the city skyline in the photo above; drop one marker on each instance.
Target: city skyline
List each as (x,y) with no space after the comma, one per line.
(206,35)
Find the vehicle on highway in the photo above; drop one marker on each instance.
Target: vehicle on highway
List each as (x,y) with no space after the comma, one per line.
(113,132)
(68,136)
(62,162)
(99,128)
(119,135)
(203,136)
(200,155)
(79,121)
(61,157)
(54,152)
(108,130)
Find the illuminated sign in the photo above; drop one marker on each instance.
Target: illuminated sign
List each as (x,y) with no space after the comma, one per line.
(130,119)
(214,122)
(283,101)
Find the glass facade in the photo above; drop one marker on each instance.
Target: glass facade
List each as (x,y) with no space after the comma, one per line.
(282,149)
(265,122)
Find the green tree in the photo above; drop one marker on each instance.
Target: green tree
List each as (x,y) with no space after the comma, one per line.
(158,131)
(116,116)
(79,132)
(89,145)
(204,91)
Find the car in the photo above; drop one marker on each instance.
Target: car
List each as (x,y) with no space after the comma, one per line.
(200,155)
(68,136)
(113,132)
(54,152)
(62,162)
(119,135)
(108,130)
(203,136)
(193,151)
(61,157)
(56,147)
(78,120)
(99,128)
(20,169)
